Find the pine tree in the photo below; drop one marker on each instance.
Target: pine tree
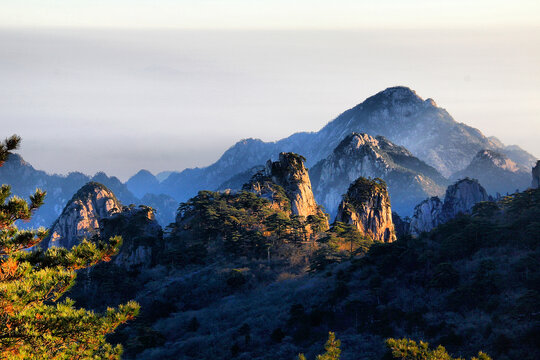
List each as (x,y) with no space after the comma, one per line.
(406,349)
(34,323)
(332,349)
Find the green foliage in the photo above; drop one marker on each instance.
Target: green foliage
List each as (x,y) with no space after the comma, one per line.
(332,349)
(406,349)
(236,278)
(362,189)
(341,242)
(247,224)
(8,145)
(34,324)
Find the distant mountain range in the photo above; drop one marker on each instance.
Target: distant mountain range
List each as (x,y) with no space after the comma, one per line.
(420,149)
(24,179)
(427,131)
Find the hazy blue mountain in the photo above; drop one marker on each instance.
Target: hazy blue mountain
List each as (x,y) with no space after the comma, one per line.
(24,179)
(165,207)
(398,113)
(496,172)
(142,183)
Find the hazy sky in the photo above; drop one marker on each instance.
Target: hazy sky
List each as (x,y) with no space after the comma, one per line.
(94,85)
(290,14)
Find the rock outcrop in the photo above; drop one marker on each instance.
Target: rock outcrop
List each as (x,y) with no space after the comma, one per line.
(142,235)
(94,213)
(366,205)
(290,173)
(459,198)
(409,179)
(427,215)
(82,215)
(292,180)
(496,172)
(536,176)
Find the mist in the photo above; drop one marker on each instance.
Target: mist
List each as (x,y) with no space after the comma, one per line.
(122,100)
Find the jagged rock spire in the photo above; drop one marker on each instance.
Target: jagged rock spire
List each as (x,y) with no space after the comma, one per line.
(367,206)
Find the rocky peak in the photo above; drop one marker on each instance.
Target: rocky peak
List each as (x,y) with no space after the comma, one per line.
(290,173)
(366,205)
(460,198)
(396,94)
(95,213)
(536,176)
(360,155)
(83,214)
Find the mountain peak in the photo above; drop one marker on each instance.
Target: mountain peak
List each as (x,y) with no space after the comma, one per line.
(397,94)
(82,215)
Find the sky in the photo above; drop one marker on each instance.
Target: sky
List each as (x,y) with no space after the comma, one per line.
(164,85)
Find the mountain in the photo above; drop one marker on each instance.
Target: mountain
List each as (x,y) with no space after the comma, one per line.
(143,183)
(213,292)
(459,198)
(24,179)
(409,179)
(398,113)
(496,172)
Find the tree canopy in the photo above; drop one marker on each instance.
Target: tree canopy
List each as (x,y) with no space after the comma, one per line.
(36,322)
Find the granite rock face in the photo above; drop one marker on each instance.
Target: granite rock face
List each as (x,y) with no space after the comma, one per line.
(427,215)
(287,185)
(83,214)
(409,179)
(536,176)
(496,172)
(94,213)
(366,205)
(290,173)
(142,235)
(459,198)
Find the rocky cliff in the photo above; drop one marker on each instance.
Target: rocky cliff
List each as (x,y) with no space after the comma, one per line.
(459,198)
(142,235)
(290,173)
(409,179)
(366,205)
(287,184)
(536,176)
(82,216)
(95,213)
(496,172)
